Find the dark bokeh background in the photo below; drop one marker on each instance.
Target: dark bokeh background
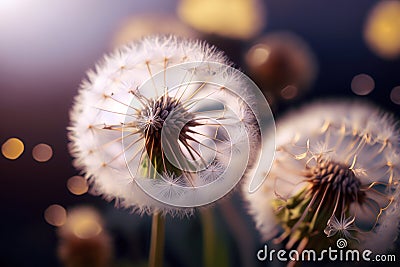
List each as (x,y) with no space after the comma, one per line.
(45,49)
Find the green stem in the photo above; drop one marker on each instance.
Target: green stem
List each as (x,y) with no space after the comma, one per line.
(157,241)
(209,237)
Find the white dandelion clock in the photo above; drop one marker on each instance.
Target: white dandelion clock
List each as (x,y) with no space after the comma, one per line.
(149,127)
(336,174)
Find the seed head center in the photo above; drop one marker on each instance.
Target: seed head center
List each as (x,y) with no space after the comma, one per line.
(154,114)
(339,177)
(166,124)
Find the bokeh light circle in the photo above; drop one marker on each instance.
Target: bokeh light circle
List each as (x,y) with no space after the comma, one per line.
(55,215)
(382,29)
(395,95)
(42,152)
(12,148)
(86,227)
(362,84)
(77,185)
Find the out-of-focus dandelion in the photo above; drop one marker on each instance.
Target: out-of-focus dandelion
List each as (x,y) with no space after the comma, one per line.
(335,174)
(156,125)
(83,241)
(381,30)
(282,64)
(236,19)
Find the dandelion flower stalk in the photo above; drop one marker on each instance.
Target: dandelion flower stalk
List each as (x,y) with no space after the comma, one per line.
(209,237)
(157,241)
(335,175)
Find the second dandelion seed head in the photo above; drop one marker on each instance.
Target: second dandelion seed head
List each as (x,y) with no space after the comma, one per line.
(336,173)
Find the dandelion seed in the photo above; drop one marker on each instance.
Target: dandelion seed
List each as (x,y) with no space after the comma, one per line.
(149,124)
(333,175)
(343,227)
(212,173)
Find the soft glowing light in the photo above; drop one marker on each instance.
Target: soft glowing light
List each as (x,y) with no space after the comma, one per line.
(83,222)
(42,152)
(136,27)
(382,29)
(289,92)
(86,227)
(395,95)
(77,185)
(12,148)
(55,215)
(362,84)
(258,54)
(82,239)
(240,19)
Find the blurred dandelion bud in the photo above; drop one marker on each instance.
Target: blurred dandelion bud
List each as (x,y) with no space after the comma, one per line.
(156,125)
(236,19)
(283,65)
(335,174)
(83,240)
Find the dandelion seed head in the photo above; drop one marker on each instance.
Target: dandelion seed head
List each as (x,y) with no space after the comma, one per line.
(333,176)
(149,122)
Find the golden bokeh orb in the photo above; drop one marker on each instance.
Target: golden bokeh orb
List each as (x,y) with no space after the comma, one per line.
(83,222)
(86,228)
(12,148)
(77,185)
(237,19)
(83,241)
(382,29)
(136,27)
